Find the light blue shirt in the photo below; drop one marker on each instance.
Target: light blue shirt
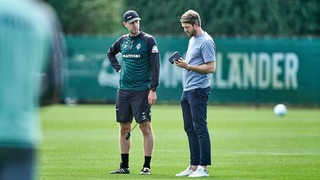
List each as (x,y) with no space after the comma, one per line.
(201,50)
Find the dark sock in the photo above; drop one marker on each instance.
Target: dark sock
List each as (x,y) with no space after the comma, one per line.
(125,160)
(147,160)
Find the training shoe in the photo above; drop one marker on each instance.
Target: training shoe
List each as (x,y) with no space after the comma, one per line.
(145,171)
(121,170)
(186,172)
(200,172)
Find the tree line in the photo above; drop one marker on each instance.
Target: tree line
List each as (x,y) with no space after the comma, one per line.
(219,17)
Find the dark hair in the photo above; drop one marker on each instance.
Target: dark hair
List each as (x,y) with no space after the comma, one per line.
(191,17)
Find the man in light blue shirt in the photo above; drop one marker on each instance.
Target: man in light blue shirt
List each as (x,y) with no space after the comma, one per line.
(198,67)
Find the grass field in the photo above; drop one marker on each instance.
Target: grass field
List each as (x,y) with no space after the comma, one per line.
(81,142)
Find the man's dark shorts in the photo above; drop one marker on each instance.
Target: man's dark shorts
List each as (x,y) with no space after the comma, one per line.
(131,104)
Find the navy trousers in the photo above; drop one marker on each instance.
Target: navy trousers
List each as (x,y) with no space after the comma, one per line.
(194,110)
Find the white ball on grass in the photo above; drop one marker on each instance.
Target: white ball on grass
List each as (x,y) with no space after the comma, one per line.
(280,110)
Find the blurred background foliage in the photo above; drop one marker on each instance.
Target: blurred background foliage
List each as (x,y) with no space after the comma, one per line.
(88,16)
(288,18)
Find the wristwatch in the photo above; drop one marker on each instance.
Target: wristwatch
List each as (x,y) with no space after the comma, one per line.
(153,89)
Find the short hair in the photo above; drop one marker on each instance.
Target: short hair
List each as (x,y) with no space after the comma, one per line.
(191,17)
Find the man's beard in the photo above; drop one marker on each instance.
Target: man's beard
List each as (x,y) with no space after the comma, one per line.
(193,33)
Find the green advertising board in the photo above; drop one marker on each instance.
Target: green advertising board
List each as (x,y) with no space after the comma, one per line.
(249,70)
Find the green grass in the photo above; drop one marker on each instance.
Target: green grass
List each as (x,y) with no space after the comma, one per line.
(81,142)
